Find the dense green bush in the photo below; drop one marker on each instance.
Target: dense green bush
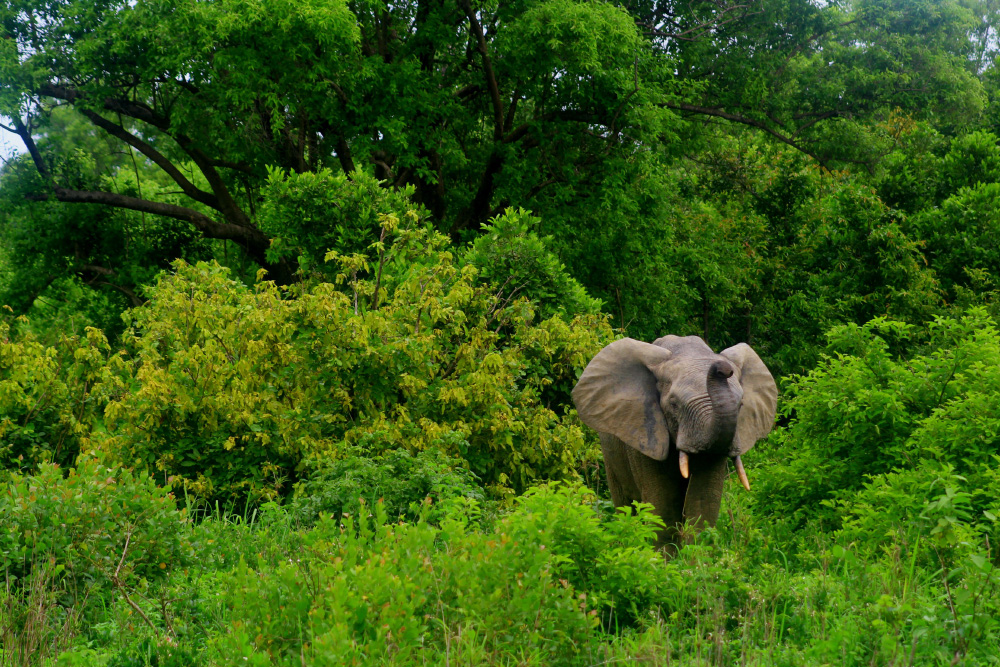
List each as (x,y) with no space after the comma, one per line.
(232,387)
(625,580)
(962,234)
(842,256)
(97,525)
(892,441)
(309,213)
(510,255)
(364,591)
(401,481)
(973,159)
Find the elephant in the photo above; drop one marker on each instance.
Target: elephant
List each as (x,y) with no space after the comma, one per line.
(670,415)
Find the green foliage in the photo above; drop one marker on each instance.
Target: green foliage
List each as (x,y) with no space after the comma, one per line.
(909,178)
(309,213)
(50,396)
(845,258)
(449,592)
(96,525)
(362,590)
(53,251)
(962,233)
(972,160)
(512,257)
(612,561)
(380,593)
(848,175)
(149,654)
(871,430)
(399,480)
(232,387)
(809,250)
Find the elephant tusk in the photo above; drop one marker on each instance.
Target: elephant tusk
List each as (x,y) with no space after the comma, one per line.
(685,473)
(742,473)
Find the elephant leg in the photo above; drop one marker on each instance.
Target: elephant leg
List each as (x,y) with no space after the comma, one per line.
(634,477)
(704,492)
(662,486)
(616,464)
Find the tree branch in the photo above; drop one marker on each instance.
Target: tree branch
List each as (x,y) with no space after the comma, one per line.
(722,17)
(139,111)
(128,108)
(101,271)
(235,166)
(743,120)
(155,156)
(249,237)
(491,79)
(22,131)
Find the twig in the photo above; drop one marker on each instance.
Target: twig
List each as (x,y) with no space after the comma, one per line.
(121,586)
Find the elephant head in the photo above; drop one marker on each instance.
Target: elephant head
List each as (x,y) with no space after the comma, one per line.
(676,398)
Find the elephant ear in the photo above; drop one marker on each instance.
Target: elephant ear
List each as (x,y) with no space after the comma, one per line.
(760,397)
(618,394)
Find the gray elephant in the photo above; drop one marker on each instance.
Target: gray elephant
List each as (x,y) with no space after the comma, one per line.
(670,415)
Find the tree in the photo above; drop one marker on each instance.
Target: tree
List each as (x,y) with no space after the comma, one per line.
(815,76)
(439,95)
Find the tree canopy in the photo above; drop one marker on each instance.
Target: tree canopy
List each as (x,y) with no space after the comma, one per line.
(679,157)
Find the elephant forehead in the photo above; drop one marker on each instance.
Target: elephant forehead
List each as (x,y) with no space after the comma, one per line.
(691,375)
(687,346)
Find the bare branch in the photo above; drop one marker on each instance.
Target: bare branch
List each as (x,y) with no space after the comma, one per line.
(491,79)
(140,111)
(743,120)
(249,237)
(22,130)
(155,156)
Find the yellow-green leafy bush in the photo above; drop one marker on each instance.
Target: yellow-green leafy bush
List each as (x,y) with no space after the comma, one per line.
(50,396)
(234,386)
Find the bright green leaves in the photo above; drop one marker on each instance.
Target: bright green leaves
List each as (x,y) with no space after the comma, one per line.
(511,255)
(564,43)
(234,387)
(870,424)
(823,77)
(533,589)
(309,214)
(963,234)
(95,525)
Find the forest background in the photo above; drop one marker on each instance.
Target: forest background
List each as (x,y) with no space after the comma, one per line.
(295,292)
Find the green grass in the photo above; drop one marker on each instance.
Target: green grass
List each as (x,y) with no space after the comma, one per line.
(551,581)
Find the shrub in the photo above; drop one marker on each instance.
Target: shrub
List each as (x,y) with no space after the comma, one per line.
(888,441)
(962,234)
(510,255)
(973,159)
(233,387)
(94,524)
(400,480)
(364,591)
(613,561)
(309,213)
(374,593)
(50,396)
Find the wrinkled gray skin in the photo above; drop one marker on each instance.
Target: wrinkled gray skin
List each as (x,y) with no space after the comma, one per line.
(653,403)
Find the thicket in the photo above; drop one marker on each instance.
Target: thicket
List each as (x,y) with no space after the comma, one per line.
(293,297)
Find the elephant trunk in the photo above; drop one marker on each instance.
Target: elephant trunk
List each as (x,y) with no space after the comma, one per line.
(725,405)
(708,470)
